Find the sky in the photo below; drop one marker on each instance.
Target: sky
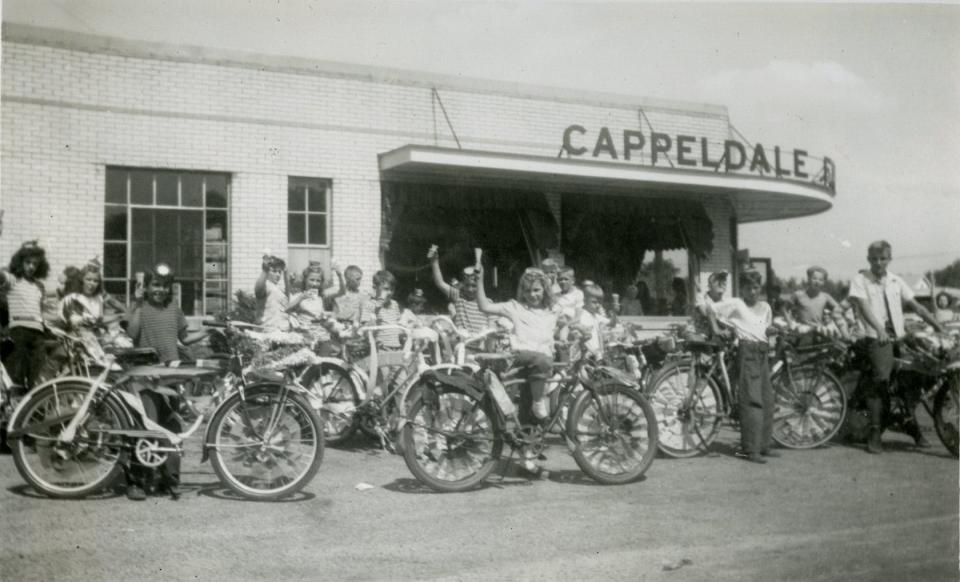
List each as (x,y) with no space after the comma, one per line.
(874,86)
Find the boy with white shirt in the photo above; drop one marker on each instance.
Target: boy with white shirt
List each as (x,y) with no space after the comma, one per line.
(570,298)
(750,320)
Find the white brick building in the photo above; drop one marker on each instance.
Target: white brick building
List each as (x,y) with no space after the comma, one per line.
(140,152)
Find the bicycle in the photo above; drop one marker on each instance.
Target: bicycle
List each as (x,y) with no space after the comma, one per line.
(692,395)
(74,435)
(810,402)
(458,422)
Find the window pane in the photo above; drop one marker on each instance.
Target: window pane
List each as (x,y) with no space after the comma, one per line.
(217,191)
(142,259)
(216,225)
(296,229)
(116,186)
(142,225)
(141,187)
(115,223)
(317,195)
(118,289)
(192,189)
(318,229)
(167,188)
(168,228)
(296,199)
(191,261)
(115,260)
(191,227)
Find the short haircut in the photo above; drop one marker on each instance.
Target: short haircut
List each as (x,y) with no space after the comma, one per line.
(384,277)
(353,269)
(720,276)
(275,263)
(817,269)
(593,291)
(880,245)
(751,278)
(566,269)
(549,264)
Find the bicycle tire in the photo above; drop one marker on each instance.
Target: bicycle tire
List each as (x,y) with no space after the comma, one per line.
(340,398)
(244,417)
(685,430)
(628,420)
(946,413)
(392,376)
(809,414)
(433,457)
(43,463)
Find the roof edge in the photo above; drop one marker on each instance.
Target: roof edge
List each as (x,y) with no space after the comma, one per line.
(94,43)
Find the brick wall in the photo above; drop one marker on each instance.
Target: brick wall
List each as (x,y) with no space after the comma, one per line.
(75,105)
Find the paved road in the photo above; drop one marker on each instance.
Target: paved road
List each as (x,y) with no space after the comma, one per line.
(830,514)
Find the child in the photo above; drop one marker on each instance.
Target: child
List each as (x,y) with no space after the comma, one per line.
(704,322)
(812,305)
(630,304)
(25,293)
(467,314)
(158,323)
(348,306)
(534,326)
(592,320)
(750,320)
(309,303)
(569,299)
(386,310)
(82,307)
(551,268)
(272,301)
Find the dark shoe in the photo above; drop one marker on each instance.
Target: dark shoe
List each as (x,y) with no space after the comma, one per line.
(874,445)
(772,453)
(921,441)
(751,457)
(135,493)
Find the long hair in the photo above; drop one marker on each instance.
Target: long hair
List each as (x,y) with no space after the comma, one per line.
(74,283)
(531,276)
(163,275)
(26,252)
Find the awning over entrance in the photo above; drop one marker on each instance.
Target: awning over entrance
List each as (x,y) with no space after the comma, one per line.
(755,198)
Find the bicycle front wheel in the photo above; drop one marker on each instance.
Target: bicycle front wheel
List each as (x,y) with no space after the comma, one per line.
(614,431)
(946,412)
(687,420)
(90,462)
(451,440)
(808,409)
(266,445)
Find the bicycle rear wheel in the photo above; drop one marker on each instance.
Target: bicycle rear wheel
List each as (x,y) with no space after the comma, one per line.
(687,421)
(946,413)
(334,387)
(614,431)
(809,410)
(266,445)
(451,441)
(89,463)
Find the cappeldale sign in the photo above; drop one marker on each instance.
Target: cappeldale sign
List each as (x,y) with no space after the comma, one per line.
(689,151)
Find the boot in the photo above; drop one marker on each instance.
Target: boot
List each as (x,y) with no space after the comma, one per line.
(875,406)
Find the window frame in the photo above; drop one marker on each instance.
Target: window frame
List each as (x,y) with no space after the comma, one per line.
(305,182)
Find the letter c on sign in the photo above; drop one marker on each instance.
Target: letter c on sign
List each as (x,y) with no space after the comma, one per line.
(566,140)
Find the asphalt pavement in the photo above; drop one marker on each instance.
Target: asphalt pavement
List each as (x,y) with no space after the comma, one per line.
(834,513)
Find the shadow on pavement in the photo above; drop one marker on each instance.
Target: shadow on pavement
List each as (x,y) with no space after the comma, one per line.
(28,492)
(218,491)
(575,477)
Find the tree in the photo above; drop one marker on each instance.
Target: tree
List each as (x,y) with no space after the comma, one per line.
(948,276)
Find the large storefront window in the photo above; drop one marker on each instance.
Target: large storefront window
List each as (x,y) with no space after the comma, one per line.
(308,222)
(174,217)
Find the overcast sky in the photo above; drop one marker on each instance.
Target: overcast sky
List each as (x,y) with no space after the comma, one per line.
(874,86)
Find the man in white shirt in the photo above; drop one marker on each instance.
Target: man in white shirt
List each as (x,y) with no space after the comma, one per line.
(750,320)
(878,297)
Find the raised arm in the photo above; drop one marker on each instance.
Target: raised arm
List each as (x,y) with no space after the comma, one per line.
(434,257)
(485,305)
(336,290)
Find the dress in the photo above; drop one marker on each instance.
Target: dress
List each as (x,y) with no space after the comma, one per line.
(83,315)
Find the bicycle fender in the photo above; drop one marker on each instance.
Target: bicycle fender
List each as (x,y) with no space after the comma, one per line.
(462,382)
(61,379)
(208,436)
(358,378)
(617,375)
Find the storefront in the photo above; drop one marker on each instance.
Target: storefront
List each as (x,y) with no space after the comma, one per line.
(205,159)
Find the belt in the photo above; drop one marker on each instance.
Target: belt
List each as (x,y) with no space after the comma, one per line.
(27,318)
